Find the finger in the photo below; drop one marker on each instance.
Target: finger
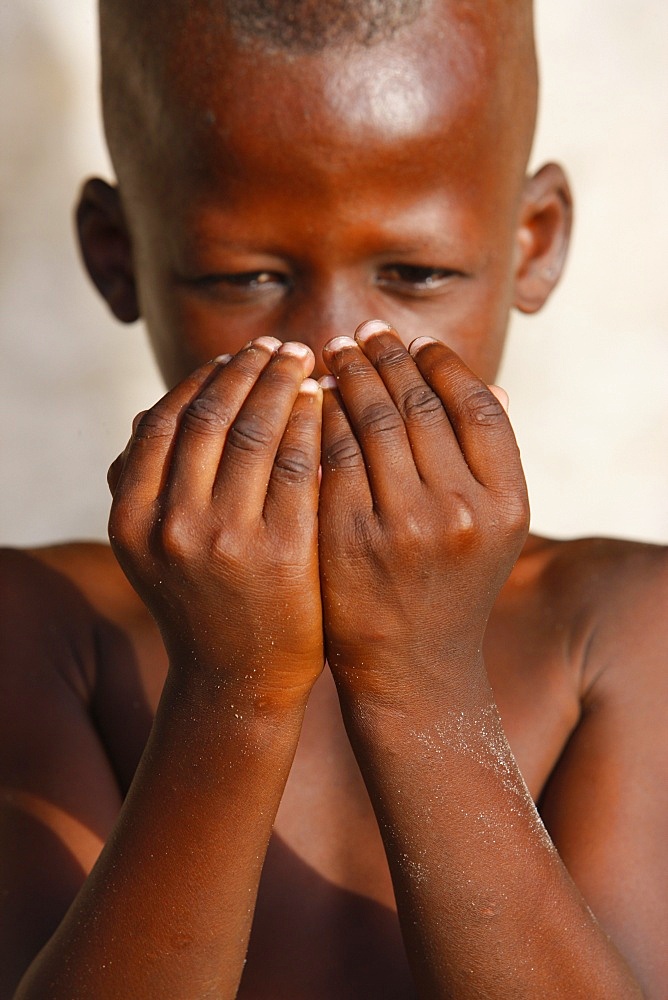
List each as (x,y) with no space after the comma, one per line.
(293,485)
(137,420)
(477,416)
(375,420)
(206,420)
(140,471)
(116,468)
(345,484)
(427,426)
(501,395)
(255,434)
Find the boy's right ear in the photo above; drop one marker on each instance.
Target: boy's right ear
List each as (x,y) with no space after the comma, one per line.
(106,247)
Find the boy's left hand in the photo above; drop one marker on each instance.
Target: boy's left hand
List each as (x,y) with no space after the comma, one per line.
(423,512)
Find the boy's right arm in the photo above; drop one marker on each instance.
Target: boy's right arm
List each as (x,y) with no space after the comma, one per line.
(199,536)
(60,797)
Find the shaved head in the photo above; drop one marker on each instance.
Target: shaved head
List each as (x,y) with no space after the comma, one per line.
(150,53)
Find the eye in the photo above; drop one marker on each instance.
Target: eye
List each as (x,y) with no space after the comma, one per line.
(240,285)
(249,279)
(414,279)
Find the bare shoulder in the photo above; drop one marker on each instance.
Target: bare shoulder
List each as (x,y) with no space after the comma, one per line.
(45,608)
(51,574)
(68,593)
(605,564)
(62,607)
(73,624)
(614,593)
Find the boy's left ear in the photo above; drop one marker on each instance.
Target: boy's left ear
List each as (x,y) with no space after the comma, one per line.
(543,236)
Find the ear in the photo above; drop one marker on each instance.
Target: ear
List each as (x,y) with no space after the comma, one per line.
(543,236)
(106,247)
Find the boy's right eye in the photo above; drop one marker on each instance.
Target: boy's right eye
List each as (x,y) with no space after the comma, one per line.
(239,285)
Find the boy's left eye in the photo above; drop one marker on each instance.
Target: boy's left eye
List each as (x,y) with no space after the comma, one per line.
(413,278)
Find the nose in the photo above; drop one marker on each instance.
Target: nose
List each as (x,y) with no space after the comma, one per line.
(329,309)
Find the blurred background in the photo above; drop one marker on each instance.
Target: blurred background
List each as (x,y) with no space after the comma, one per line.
(588,377)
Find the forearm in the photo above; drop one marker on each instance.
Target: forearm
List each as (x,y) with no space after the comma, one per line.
(486,905)
(167,909)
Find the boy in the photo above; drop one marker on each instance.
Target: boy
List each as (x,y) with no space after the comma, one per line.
(285,172)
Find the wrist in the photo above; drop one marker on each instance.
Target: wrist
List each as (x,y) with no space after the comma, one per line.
(406,686)
(262,687)
(218,709)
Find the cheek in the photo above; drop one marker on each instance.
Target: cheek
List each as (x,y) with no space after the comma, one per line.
(186,334)
(475,328)
(185,331)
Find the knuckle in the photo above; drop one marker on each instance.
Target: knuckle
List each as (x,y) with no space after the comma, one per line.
(228,547)
(114,472)
(392,356)
(481,407)
(462,519)
(155,423)
(343,453)
(349,363)
(202,416)
(293,465)
(379,418)
(251,433)
(421,405)
(413,532)
(176,534)
(517,513)
(123,526)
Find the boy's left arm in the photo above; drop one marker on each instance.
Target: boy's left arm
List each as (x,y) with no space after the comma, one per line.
(423,513)
(606,804)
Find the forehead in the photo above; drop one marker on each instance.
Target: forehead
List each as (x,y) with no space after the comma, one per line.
(443,88)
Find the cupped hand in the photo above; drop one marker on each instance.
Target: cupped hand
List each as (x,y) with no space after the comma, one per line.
(423,510)
(214,520)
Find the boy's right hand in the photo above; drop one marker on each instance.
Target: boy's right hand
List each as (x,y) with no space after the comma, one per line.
(214,521)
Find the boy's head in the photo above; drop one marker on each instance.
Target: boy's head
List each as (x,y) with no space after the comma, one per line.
(292,168)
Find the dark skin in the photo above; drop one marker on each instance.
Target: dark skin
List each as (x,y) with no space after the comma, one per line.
(379,808)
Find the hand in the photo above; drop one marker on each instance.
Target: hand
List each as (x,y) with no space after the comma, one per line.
(423,510)
(214,520)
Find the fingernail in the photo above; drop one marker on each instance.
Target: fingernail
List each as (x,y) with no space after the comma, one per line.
(222,359)
(327,382)
(371,328)
(310,387)
(271,343)
(339,343)
(419,343)
(294,349)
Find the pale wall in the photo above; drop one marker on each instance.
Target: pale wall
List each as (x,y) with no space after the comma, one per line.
(588,378)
